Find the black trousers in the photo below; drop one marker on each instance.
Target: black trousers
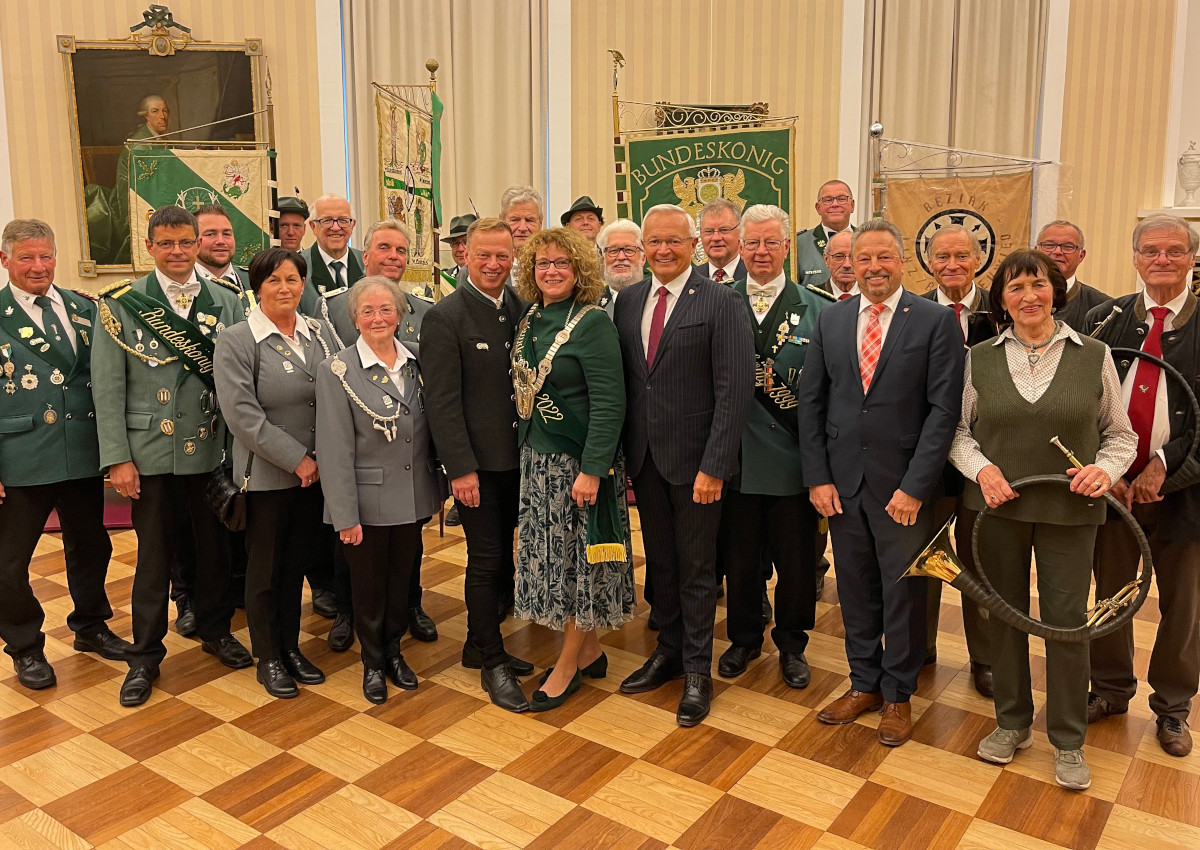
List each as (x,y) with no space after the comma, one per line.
(785,527)
(153,519)
(490,569)
(86,548)
(183,565)
(340,582)
(883,616)
(680,537)
(281,532)
(380,570)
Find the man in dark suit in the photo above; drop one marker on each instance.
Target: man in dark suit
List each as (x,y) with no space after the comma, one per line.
(719,223)
(689,373)
(835,205)
(466,340)
(333,266)
(1063,241)
(880,398)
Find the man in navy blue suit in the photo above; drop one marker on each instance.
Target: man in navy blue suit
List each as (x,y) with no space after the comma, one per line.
(880,397)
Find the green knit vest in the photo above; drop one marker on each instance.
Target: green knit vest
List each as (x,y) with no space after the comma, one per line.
(1015,434)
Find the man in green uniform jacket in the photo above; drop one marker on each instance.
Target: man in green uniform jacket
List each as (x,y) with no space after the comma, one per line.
(333,266)
(835,205)
(49,458)
(161,436)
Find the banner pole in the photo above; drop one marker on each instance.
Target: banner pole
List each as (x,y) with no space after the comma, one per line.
(435,277)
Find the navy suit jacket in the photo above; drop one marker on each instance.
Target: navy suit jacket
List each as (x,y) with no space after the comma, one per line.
(689,410)
(898,436)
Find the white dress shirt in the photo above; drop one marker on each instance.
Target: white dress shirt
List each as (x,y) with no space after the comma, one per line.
(226,274)
(967,301)
(369,359)
(192,287)
(885,317)
(674,289)
(1070,284)
(838,292)
(777,283)
(1160,430)
(261,327)
(25,299)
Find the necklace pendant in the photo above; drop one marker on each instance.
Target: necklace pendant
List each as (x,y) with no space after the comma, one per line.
(1034,357)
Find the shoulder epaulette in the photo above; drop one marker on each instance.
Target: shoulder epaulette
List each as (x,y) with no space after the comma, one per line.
(421,298)
(819,291)
(86,295)
(113,287)
(219,281)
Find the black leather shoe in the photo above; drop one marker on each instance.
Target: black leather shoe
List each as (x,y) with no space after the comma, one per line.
(452,517)
(374,686)
(794,667)
(104,643)
(185,617)
(302,670)
(138,683)
(697,698)
(656,672)
(541,702)
(503,688)
(324,604)
(981,677)
(734,660)
(230,652)
(401,674)
(472,661)
(767,611)
(341,634)
(34,671)
(276,680)
(421,625)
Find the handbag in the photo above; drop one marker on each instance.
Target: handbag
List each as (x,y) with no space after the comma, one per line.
(226,497)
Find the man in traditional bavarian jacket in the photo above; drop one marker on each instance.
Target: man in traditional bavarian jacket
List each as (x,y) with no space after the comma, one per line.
(48,454)
(333,266)
(767,502)
(161,436)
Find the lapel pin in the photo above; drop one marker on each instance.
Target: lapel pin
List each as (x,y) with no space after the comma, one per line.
(288,367)
(482,346)
(8,311)
(26,333)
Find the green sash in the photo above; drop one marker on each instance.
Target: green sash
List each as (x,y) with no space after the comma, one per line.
(180,336)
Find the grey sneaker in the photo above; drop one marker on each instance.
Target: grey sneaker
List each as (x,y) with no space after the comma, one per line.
(1000,746)
(1071,771)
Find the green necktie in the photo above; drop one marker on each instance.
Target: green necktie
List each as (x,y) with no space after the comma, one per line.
(54,334)
(338,280)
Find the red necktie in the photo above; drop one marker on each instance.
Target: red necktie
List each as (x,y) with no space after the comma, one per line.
(872,342)
(844,296)
(958,308)
(1145,392)
(656,325)
(719,275)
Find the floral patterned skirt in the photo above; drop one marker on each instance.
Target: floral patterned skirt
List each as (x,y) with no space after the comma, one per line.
(555,582)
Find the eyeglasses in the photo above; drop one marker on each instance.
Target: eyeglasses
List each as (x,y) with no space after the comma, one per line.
(382,312)
(622,251)
(771,244)
(838,259)
(1172,253)
(170,244)
(1050,247)
(713,231)
(832,199)
(561,264)
(672,243)
(330,222)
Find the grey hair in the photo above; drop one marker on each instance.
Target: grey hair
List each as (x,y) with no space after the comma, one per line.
(716,205)
(674,209)
(1062,222)
(766,212)
(375,281)
(947,229)
(329,196)
(22,230)
(520,195)
(389,224)
(1162,221)
(144,106)
(620,225)
(880,225)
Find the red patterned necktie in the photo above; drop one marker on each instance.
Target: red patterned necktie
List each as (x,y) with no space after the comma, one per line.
(958,308)
(656,325)
(872,342)
(844,296)
(1145,392)
(719,275)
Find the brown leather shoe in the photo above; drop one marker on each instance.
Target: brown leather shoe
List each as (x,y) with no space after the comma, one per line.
(849,706)
(1174,737)
(895,725)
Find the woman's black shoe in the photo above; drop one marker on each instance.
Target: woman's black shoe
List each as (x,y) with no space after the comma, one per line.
(541,702)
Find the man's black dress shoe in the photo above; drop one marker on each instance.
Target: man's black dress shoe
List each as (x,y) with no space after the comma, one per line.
(185,617)
(401,674)
(34,671)
(276,680)
(138,683)
(341,634)
(229,651)
(302,670)
(734,660)
(656,672)
(767,611)
(794,667)
(374,686)
(104,643)
(503,688)
(324,603)
(472,661)
(981,677)
(697,697)
(421,625)
(452,517)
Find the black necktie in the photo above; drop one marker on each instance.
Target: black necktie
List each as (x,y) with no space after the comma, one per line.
(54,335)
(338,280)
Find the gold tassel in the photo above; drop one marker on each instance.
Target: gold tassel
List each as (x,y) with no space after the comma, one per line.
(598,553)
(823,526)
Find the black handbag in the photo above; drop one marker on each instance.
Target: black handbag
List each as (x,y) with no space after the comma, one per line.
(226,497)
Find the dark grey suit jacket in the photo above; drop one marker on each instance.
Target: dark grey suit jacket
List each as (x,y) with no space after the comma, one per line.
(690,408)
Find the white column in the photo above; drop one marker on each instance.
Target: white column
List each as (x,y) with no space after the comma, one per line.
(853,147)
(331,99)
(6,200)
(558,110)
(1183,124)
(1050,113)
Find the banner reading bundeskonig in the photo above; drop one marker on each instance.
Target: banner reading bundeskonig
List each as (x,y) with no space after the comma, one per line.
(409,150)
(238,180)
(995,209)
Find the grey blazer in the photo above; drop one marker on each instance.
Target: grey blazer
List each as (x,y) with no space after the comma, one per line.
(279,423)
(366,478)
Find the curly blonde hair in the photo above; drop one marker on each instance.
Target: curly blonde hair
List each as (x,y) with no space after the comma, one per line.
(585,260)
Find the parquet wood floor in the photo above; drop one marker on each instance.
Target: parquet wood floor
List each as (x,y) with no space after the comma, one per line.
(212,762)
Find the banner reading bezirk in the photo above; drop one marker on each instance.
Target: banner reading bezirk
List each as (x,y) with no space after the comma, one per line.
(995,209)
(237,180)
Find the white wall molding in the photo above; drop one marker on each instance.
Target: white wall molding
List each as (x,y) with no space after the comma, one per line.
(1181,127)
(331,101)
(558,110)
(7,212)
(853,145)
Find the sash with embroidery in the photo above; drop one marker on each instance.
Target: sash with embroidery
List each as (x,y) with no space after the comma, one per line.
(195,351)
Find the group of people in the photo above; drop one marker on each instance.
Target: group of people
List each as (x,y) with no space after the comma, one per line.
(749,413)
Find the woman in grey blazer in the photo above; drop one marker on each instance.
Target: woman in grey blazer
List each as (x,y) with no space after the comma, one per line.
(265,376)
(380,474)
